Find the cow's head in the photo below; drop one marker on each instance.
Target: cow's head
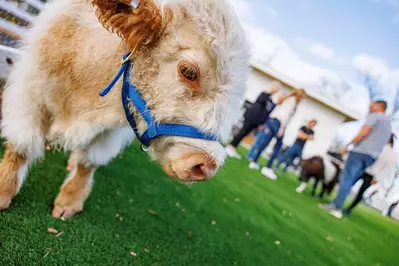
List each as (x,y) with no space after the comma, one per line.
(190,65)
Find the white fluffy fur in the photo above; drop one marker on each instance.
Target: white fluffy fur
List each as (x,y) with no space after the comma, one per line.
(329,170)
(109,144)
(22,173)
(218,20)
(21,118)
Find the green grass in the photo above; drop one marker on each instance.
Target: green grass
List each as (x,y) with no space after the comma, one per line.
(250,211)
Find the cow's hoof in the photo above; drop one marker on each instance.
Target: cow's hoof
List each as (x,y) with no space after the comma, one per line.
(65,212)
(4,202)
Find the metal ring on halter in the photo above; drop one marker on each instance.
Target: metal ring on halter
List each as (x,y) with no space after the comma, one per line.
(144,148)
(131,54)
(128,57)
(134,3)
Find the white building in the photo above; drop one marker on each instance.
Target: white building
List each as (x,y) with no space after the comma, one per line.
(328,114)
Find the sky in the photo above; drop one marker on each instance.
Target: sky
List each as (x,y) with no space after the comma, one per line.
(327,46)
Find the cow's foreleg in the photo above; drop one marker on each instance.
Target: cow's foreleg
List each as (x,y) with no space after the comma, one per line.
(13,169)
(75,189)
(83,163)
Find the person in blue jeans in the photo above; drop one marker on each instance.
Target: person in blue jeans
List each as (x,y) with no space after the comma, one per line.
(368,145)
(263,139)
(275,128)
(295,151)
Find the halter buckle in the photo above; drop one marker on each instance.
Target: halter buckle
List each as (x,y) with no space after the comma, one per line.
(144,148)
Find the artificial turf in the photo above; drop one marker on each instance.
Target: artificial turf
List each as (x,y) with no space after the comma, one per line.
(237,218)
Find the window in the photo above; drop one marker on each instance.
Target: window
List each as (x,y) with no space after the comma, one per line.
(8,40)
(5,15)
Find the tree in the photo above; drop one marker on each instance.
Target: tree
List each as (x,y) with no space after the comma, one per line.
(373,86)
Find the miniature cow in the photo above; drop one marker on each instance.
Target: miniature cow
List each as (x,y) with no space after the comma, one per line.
(186,59)
(321,169)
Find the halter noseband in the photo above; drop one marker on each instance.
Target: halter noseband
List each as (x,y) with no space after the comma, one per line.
(154,130)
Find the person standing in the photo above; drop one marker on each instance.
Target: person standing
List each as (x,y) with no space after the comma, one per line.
(382,171)
(295,151)
(275,128)
(368,145)
(256,115)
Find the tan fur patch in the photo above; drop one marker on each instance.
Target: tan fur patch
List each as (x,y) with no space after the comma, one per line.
(77,188)
(9,168)
(74,192)
(79,76)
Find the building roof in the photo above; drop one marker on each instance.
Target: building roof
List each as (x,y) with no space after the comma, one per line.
(350,115)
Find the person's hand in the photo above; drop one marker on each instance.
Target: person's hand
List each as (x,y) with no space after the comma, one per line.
(344,150)
(280,133)
(373,182)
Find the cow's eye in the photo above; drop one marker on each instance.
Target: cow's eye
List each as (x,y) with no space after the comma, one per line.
(189,73)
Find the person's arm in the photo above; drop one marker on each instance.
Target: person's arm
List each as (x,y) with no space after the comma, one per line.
(303,136)
(282,98)
(366,129)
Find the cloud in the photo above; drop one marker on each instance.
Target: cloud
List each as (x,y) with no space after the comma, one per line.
(273,52)
(378,68)
(387,78)
(321,51)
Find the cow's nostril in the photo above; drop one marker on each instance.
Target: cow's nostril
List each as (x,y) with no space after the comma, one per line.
(203,171)
(194,167)
(197,171)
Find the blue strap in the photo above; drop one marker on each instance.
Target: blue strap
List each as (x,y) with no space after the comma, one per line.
(183,131)
(122,70)
(130,92)
(136,98)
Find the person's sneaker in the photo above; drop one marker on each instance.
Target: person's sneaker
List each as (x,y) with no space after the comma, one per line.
(301,188)
(232,152)
(253,165)
(269,173)
(337,213)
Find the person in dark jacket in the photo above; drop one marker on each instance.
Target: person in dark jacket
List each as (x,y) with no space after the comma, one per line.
(257,114)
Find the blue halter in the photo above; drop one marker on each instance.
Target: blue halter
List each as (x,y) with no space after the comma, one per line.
(154,130)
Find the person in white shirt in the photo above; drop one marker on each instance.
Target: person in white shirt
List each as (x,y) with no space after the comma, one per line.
(275,128)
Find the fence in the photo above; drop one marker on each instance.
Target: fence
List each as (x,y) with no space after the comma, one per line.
(15,16)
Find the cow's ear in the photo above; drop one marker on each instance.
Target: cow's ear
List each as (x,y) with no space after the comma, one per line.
(137,22)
